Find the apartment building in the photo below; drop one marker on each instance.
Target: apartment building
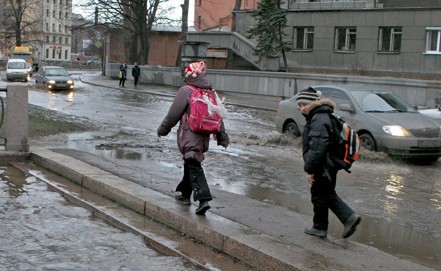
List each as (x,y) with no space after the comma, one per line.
(372,37)
(212,15)
(45,28)
(57,37)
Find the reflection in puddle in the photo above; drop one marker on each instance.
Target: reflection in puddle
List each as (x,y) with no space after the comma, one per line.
(397,194)
(40,230)
(395,185)
(393,189)
(381,232)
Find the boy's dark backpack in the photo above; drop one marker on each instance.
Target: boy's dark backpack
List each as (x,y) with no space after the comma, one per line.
(346,144)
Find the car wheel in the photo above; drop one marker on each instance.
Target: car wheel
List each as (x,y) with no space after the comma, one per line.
(368,142)
(291,129)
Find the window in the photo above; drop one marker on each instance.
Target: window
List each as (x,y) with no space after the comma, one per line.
(59,28)
(54,39)
(65,54)
(53,27)
(59,14)
(47,26)
(53,53)
(53,13)
(345,38)
(67,41)
(47,53)
(389,39)
(47,38)
(336,95)
(47,12)
(60,40)
(433,40)
(303,38)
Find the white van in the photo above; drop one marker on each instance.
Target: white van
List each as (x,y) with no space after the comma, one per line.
(16,70)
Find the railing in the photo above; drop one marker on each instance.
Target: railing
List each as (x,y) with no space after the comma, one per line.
(326,4)
(238,44)
(2,104)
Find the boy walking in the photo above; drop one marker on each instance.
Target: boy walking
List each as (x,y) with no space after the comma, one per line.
(321,173)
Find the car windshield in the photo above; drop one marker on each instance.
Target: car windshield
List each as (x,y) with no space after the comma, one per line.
(17,65)
(381,102)
(56,72)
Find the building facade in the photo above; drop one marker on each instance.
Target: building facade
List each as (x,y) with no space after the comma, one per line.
(45,27)
(56,43)
(218,15)
(386,38)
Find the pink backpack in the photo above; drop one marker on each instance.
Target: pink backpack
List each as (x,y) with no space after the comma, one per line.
(206,110)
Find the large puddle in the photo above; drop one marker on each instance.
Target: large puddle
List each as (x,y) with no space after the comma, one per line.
(400,203)
(379,228)
(41,231)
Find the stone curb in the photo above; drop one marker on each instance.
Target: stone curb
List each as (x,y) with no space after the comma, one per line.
(241,242)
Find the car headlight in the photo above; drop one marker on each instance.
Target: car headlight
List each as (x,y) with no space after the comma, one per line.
(396,130)
(70,82)
(51,81)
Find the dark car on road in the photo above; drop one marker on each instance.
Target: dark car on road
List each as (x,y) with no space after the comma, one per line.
(54,78)
(384,122)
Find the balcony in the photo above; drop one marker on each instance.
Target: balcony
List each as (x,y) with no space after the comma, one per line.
(327,4)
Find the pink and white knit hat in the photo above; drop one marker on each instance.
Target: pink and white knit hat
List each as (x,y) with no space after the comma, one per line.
(195,68)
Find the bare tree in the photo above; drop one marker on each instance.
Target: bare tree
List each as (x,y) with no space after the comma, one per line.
(136,18)
(22,22)
(184,29)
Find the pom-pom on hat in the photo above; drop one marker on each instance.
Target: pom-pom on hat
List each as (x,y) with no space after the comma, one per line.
(308,95)
(195,68)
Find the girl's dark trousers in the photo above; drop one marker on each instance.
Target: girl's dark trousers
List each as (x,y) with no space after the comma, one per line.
(194,181)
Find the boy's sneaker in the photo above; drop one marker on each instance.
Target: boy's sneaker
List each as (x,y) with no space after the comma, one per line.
(313,231)
(182,200)
(203,207)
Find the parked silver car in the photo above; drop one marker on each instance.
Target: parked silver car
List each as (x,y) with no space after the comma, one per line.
(383,121)
(434,113)
(54,77)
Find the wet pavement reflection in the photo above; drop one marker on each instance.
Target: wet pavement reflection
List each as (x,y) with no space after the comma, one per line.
(400,202)
(41,231)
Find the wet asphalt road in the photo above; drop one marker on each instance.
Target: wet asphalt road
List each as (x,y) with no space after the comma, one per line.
(400,202)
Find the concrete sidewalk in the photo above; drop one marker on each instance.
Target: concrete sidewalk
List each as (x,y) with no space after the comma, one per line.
(260,234)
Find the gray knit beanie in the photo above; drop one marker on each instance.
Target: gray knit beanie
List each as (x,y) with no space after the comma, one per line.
(308,95)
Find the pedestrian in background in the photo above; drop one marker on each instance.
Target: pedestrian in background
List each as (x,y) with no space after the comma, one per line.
(321,172)
(192,145)
(122,74)
(136,71)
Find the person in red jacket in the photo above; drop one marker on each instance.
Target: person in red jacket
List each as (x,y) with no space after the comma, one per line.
(192,145)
